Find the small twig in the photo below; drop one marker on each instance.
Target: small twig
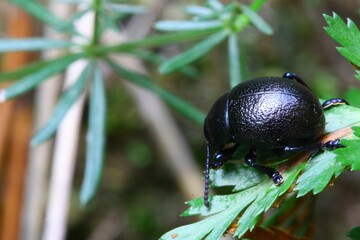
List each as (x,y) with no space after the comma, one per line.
(65,152)
(40,156)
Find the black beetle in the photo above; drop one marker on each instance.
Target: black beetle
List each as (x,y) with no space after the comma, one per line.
(280,115)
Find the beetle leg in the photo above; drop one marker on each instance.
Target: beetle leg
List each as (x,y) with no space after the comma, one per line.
(221,157)
(313,147)
(329,145)
(293,76)
(250,160)
(333,102)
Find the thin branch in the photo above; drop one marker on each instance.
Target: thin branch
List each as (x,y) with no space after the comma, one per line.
(40,156)
(65,151)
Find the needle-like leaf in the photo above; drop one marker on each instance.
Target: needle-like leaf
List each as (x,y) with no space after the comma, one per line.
(178,104)
(43,14)
(30,81)
(187,25)
(32,44)
(95,139)
(193,53)
(70,95)
(257,20)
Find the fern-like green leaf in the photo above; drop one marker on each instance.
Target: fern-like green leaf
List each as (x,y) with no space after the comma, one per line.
(349,155)
(347,35)
(253,201)
(318,173)
(320,169)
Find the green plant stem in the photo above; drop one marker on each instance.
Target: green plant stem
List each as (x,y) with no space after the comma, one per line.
(97,6)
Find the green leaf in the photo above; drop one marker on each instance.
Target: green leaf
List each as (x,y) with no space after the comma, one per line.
(158,59)
(156,41)
(193,53)
(109,21)
(221,202)
(215,4)
(242,20)
(239,177)
(318,172)
(215,226)
(266,199)
(347,35)
(352,95)
(323,167)
(354,233)
(30,68)
(32,44)
(234,60)
(30,81)
(69,97)
(187,25)
(219,14)
(43,14)
(341,116)
(349,155)
(257,20)
(198,10)
(253,201)
(95,139)
(201,229)
(143,81)
(125,8)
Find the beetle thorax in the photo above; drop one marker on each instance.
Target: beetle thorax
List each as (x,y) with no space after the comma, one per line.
(216,127)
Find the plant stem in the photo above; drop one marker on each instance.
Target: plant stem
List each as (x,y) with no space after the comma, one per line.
(97,7)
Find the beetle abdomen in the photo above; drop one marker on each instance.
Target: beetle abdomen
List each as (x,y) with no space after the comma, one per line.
(274,112)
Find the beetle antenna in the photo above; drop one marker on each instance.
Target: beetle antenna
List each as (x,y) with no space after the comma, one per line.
(207,176)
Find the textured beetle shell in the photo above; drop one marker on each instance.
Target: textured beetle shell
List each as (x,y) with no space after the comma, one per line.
(266,113)
(218,121)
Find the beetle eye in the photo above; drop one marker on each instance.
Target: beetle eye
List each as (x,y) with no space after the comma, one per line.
(218,156)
